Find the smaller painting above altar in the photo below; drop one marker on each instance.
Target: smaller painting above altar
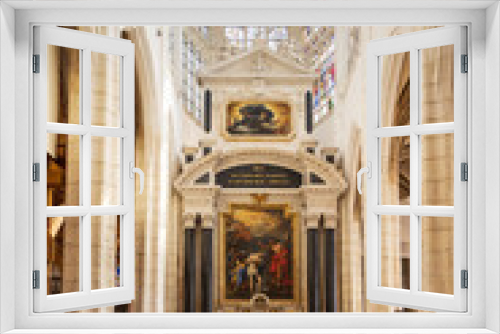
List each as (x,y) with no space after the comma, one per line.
(251,120)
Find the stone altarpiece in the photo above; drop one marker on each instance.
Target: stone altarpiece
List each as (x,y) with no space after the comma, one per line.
(258,75)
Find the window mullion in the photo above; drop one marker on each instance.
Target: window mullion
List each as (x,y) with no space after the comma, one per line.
(86,238)
(414,171)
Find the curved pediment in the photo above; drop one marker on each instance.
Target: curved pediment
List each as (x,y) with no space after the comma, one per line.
(316,174)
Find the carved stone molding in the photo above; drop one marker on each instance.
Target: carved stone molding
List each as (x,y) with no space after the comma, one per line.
(208,220)
(330,221)
(258,63)
(209,199)
(311,220)
(298,161)
(189,220)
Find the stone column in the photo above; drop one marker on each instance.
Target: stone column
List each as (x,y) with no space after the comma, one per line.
(311,223)
(206,260)
(189,252)
(330,263)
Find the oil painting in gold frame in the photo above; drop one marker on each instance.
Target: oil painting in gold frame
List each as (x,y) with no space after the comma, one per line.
(259,254)
(258,121)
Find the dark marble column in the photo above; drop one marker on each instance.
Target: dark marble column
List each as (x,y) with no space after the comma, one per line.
(190,270)
(313,271)
(206,270)
(330,271)
(208,111)
(309,111)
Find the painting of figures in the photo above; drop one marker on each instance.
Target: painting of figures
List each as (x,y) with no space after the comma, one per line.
(258,257)
(258,119)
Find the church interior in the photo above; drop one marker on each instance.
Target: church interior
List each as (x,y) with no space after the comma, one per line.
(250,138)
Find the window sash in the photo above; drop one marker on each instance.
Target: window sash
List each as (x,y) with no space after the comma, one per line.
(86,297)
(414,298)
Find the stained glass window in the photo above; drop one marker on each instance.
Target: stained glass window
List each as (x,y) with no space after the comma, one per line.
(244,37)
(323,88)
(191,64)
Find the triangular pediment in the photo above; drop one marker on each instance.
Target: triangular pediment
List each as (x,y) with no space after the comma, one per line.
(259,62)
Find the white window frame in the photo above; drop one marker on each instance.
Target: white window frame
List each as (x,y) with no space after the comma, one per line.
(413,43)
(484,50)
(86,44)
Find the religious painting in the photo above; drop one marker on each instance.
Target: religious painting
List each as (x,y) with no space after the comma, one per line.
(258,119)
(258,254)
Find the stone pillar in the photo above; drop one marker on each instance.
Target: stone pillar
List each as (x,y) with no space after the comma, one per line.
(206,263)
(198,263)
(330,262)
(189,263)
(311,223)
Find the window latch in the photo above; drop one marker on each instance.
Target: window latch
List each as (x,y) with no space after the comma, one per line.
(133,170)
(368,171)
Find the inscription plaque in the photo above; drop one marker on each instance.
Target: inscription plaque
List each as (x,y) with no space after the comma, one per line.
(258,176)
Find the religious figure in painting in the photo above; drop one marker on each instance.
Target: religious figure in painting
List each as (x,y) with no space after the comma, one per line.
(258,253)
(261,119)
(279,265)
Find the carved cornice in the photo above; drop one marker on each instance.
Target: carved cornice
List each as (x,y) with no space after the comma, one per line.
(330,220)
(329,150)
(189,219)
(305,163)
(208,220)
(312,220)
(243,78)
(190,149)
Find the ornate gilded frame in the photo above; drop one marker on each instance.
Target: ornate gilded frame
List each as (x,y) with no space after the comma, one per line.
(295,302)
(258,138)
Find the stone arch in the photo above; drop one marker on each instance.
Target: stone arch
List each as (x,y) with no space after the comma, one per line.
(300,162)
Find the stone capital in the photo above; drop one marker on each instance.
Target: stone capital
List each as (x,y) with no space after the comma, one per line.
(189,220)
(311,220)
(190,150)
(330,221)
(207,220)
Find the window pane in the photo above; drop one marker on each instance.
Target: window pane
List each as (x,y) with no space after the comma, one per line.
(63,85)
(395,89)
(106,159)
(105,89)
(437,84)
(395,171)
(395,252)
(437,254)
(63,169)
(63,255)
(437,169)
(105,252)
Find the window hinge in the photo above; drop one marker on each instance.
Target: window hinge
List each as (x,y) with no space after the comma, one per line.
(36,279)
(465,64)
(465,279)
(36,63)
(36,172)
(464,172)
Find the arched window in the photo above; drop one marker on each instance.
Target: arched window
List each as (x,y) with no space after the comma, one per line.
(323,89)
(244,37)
(191,64)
